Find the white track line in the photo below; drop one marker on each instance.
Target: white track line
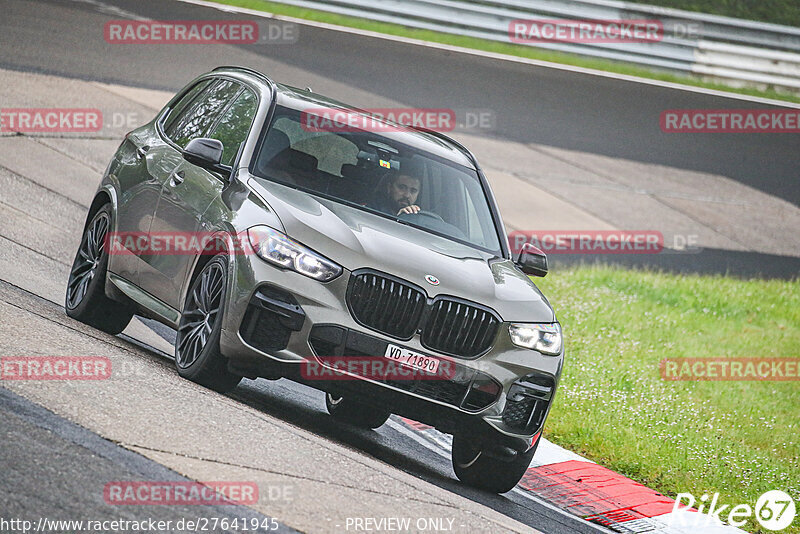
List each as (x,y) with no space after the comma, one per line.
(493,55)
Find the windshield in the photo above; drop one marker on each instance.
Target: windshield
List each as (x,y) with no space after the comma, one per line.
(374,173)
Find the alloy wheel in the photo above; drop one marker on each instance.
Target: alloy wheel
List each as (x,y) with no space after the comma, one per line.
(200,314)
(90,254)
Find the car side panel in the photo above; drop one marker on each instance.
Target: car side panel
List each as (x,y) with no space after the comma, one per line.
(179,211)
(139,175)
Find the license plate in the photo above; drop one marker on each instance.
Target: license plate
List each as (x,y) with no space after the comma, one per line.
(411,358)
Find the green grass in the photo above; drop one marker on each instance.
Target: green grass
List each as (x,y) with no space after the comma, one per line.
(497,47)
(736,438)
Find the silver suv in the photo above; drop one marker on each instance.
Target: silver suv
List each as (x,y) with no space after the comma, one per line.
(370,263)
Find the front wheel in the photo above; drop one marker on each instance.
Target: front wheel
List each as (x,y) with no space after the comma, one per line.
(474,467)
(197,354)
(86,300)
(355,413)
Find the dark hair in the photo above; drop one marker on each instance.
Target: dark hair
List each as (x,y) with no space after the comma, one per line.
(394,176)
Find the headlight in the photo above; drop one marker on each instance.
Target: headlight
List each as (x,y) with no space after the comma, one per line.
(546,338)
(279,249)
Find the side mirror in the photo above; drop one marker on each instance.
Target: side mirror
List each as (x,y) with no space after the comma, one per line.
(532,260)
(205,153)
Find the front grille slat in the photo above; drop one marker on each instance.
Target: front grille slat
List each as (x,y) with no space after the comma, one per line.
(384,295)
(394,304)
(447,322)
(471,331)
(369,295)
(405,304)
(455,325)
(459,328)
(477,325)
(463,329)
(386,305)
(438,324)
(483,329)
(491,331)
(416,309)
(392,307)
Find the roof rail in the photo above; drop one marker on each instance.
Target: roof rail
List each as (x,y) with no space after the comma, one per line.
(244,69)
(449,139)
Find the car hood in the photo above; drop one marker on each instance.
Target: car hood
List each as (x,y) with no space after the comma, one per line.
(356,239)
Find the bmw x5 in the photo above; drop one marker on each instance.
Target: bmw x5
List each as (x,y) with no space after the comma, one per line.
(385,246)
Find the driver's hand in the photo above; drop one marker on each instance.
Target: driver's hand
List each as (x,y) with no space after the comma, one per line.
(413,208)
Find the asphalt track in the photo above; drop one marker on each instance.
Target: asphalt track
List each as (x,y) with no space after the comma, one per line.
(30,433)
(58,469)
(274,433)
(560,109)
(531,104)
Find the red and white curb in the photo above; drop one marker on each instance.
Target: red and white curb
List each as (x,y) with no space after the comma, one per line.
(569,482)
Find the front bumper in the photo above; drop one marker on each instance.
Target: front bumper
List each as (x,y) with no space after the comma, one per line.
(275,320)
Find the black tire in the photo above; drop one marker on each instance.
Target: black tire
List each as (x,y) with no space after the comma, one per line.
(197,354)
(355,413)
(86,299)
(477,469)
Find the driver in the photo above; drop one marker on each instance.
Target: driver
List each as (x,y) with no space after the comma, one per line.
(400,196)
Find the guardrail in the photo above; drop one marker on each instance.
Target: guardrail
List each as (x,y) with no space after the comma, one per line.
(738,52)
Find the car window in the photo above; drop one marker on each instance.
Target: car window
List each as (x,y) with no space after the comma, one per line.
(187,99)
(234,124)
(330,151)
(200,114)
(363,169)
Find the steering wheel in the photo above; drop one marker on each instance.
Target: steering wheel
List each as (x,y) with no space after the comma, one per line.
(423,213)
(433,221)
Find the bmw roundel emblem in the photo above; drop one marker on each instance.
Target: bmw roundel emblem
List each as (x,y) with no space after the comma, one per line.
(432,280)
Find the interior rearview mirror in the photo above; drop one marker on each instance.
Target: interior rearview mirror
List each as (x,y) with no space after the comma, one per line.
(532,260)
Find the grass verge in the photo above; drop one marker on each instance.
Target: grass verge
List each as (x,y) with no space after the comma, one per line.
(497,47)
(736,438)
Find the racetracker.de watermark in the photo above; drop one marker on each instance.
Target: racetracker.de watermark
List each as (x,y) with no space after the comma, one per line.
(730,121)
(393,367)
(55,368)
(730,369)
(175,243)
(589,241)
(585,31)
(141,525)
(148,493)
(377,119)
(200,32)
(51,120)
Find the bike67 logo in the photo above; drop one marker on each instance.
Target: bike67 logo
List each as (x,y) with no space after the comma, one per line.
(774,510)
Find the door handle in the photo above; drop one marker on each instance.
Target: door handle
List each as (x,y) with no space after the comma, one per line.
(177,178)
(141,151)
